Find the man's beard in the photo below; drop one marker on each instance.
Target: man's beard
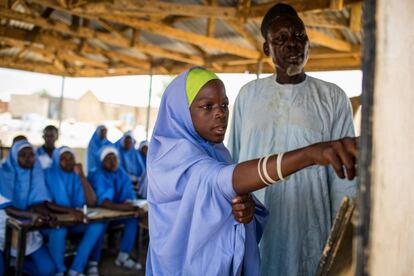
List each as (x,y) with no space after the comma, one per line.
(295,69)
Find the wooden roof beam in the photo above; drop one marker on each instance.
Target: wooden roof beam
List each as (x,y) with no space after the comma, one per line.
(356,17)
(327,41)
(140,7)
(22,64)
(344,63)
(211,21)
(300,6)
(19,39)
(192,38)
(77,59)
(336,4)
(106,38)
(241,30)
(320,20)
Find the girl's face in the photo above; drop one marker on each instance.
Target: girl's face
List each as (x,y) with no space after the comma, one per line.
(26,158)
(144,150)
(102,133)
(110,162)
(210,112)
(67,161)
(127,143)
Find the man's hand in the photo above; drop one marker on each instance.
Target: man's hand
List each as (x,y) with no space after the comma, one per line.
(243,208)
(341,154)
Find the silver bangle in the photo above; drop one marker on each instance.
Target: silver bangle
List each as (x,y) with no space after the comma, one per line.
(279,166)
(265,172)
(260,173)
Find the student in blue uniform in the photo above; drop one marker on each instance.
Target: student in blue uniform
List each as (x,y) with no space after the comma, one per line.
(143,150)
(44,152)
(192,182)
(130,159)
(23,194)
(97,141)
(69,188)
(114,190)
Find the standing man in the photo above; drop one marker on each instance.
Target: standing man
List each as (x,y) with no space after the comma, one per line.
(44,153)
(282,112)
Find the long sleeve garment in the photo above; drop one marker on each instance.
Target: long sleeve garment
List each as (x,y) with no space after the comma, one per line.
(271,118)
(23,188)
(192,228)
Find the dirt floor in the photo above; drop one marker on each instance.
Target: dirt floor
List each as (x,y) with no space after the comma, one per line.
(107,265)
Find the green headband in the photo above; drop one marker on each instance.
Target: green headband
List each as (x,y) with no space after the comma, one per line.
(196,79)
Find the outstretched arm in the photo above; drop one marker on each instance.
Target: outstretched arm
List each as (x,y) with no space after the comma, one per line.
(340,153)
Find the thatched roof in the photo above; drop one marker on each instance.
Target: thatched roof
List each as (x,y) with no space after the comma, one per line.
(121,37)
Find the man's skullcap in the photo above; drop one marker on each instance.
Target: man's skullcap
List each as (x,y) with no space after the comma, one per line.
(276,11)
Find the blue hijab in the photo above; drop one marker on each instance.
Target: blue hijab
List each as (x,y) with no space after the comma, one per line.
(23,187)
(143,143)
(113,186)
(130,160)
(192,228)
(65,188)
(93,147)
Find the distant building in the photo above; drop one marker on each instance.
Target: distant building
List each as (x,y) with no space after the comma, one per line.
(4,106)
(20,105)
(87,108)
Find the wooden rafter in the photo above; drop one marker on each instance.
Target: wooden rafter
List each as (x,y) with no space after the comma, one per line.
(211,21)
(300,6)
(192,38)
(80,48)
(356,17)
(141,8)
(328,41)
(242,31)
(104,37)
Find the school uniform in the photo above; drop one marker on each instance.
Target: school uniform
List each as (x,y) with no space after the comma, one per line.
(192,228)
(66,189)
(117,188)
(94,145)
(44,158)
(22,188)
(130,160)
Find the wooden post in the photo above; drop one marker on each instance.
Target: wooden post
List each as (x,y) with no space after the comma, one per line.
(149,106)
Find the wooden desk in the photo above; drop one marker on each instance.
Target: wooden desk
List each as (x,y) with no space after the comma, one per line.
(23,227)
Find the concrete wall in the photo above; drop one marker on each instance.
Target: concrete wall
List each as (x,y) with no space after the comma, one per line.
(23,104)
(392,210)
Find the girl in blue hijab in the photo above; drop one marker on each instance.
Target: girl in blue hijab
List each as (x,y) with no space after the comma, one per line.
(114,191)
(130,159)
(194,230)
(97,141)
(69,188)
(23,193)
(143,150)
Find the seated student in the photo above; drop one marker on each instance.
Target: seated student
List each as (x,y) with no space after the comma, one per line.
(143,187)
(114,190)
(129,159)
(44,153)
(23,193)
(18,138)
(69,188)
(192,180)
(97,141)
(143,150)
